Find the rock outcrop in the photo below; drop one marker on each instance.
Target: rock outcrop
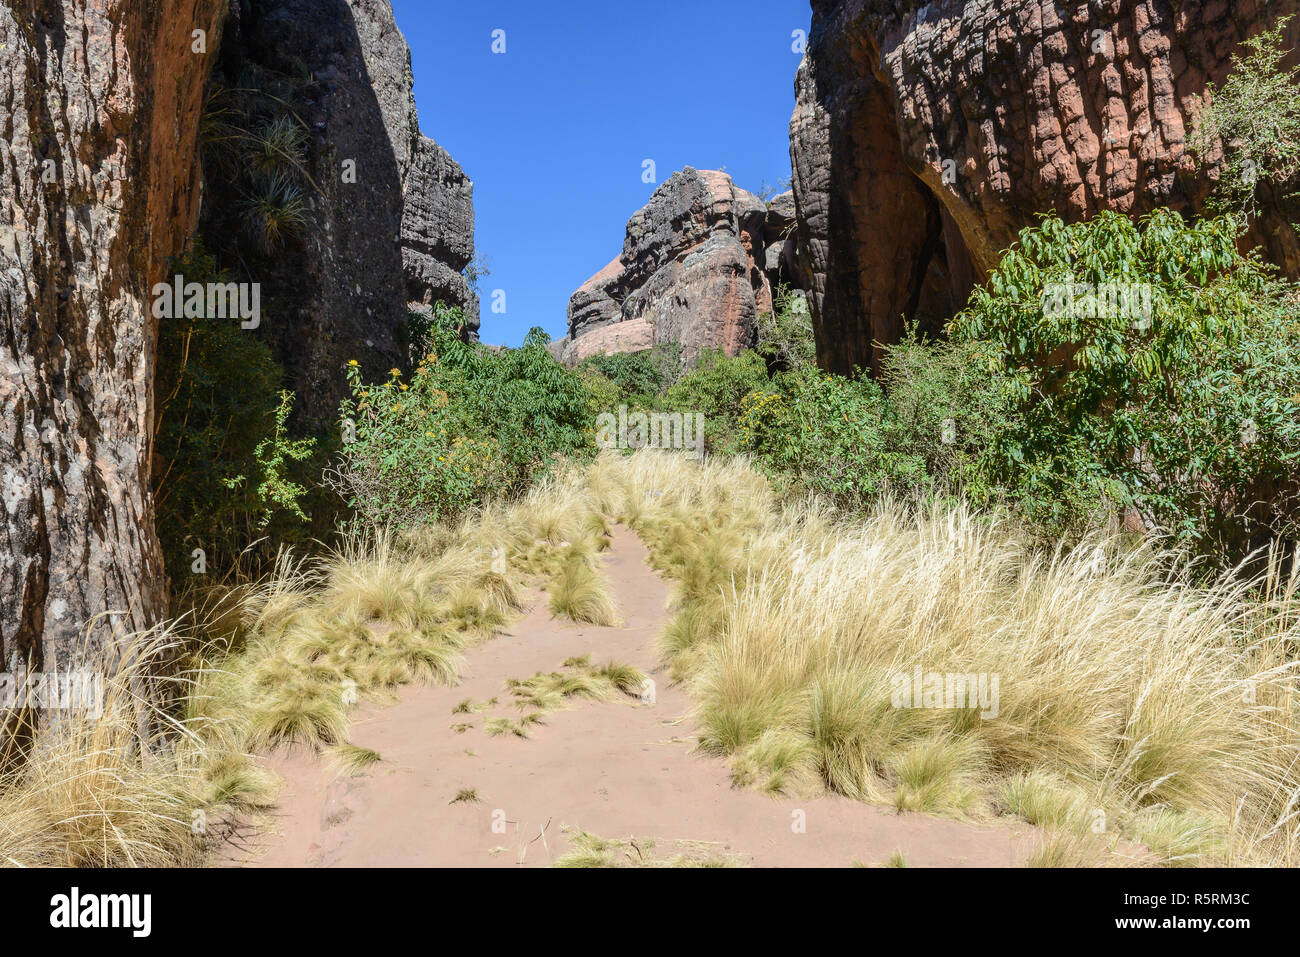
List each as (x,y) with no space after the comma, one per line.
(926,135)
(698,267)
(390,219)
(438,233)
(100,104)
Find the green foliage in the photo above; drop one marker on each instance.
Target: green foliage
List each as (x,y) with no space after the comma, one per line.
(785,336)
(603,393)
(221,450)
(828,434)
(945,408)
(639,376)
(717,387)
(468,424)
(1255,115)
(1190,414)
(274,212)
(277,491)
(421,326)
(259,144)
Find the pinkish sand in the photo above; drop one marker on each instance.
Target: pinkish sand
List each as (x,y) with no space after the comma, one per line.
(617,769)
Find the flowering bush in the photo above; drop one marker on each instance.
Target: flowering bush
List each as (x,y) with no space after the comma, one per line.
(466,424)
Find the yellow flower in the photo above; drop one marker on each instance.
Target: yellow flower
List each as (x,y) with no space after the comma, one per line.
(352,362)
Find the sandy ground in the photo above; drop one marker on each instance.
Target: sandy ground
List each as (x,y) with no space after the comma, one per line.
(617,769)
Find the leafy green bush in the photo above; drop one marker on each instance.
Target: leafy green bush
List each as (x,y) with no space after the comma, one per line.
(945,408)
(1187,409)
(469,423)
(833,435)
(1255,115)
(717,387)
(785,335)
(825,433)
(222,453)
(639,376)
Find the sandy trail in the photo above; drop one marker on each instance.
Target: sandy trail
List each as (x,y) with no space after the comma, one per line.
(617,769)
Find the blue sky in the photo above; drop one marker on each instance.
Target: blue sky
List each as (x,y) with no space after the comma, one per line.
(555,130)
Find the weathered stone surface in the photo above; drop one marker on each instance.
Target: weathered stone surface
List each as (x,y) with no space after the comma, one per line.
(693,271)
(438,211)
(99,105)
(398,237)
(781,255)
(438,232)
(926,135)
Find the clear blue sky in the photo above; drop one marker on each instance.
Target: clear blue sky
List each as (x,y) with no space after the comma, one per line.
(554,131)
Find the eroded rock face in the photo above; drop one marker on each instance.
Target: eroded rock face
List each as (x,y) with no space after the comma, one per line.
(926,135)
(100,104)
(694,270)
(438,232)
(396,235)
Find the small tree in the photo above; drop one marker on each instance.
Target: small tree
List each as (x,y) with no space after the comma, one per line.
(1180,399)
(1256,116)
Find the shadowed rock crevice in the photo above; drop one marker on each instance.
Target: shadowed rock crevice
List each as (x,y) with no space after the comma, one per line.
(396,235)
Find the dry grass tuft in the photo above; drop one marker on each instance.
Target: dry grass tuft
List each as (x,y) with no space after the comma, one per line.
(1132,704)
(152,781)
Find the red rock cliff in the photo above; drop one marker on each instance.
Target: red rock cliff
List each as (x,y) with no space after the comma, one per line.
(927,135)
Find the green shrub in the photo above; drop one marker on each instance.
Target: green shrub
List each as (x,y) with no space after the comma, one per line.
(1255,115)
(468,424)
(717,387)
(639,376)
(827,434)
(221,475)
(785,335)
(1188,412)
(603,393)
(945,408)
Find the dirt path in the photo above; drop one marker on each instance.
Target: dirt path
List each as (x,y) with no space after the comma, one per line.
(617,769)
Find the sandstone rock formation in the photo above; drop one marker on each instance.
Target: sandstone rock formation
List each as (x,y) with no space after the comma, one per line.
(438,232)
(927,134)
(99,105)
(101,110)
(698,266)
(395,235)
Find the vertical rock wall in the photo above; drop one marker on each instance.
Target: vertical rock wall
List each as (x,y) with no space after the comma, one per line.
(100,104)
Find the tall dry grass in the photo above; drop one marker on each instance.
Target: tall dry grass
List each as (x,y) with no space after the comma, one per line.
(156,779)
(1141,718)
(1134,706)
